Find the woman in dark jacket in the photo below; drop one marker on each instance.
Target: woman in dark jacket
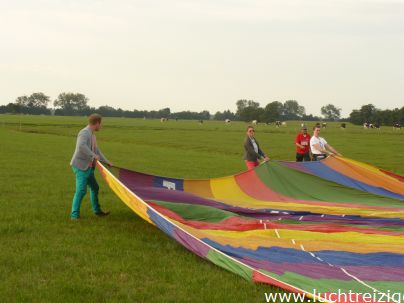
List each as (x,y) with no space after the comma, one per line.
(253,153)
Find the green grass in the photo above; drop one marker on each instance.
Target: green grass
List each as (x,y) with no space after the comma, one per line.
(44,257)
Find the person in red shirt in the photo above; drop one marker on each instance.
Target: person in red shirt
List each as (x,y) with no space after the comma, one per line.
(302,143)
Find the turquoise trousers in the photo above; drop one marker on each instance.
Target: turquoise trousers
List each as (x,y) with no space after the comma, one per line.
(85,178)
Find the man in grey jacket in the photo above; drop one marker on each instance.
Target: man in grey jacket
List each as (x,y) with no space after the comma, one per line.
(83,164)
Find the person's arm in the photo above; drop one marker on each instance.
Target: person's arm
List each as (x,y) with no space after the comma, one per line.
(261,154)
(332,150)
(102,157)
(266,158)
(297,142)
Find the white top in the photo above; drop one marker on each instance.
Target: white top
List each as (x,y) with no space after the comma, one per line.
(317,140)
(254,145)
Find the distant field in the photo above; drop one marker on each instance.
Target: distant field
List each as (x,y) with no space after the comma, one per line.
(46,258)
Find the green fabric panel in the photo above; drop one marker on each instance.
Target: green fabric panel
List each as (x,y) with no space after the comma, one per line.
(393,287)
(320,285)
(299,185)
(229,264)
(197,212)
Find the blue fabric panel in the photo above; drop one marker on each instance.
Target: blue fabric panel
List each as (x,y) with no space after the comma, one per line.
(290,255)
(323,171)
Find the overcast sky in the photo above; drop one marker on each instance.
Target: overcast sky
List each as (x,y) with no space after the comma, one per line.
(207,54)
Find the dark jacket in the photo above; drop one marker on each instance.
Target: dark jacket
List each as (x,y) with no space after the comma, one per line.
(250,154)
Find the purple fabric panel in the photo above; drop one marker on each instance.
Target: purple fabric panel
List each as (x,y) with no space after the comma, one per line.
(162,194)
(197,247)
(377,273)
(133,179)
(330,219)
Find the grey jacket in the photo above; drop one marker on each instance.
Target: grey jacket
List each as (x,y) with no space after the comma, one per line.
(250,154)
(83,155)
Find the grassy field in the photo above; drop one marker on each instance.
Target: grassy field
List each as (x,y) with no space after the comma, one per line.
(44,257)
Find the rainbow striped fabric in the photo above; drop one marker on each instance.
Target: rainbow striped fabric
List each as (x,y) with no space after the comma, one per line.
(315,227)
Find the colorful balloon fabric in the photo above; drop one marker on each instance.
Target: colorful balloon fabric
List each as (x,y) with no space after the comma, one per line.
(318,228)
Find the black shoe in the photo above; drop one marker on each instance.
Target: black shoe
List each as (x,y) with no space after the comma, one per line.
(102,214)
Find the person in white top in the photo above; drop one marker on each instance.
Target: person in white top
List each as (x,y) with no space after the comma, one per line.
(320,149)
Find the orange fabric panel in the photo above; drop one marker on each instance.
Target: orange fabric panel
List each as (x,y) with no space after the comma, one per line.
(368,176)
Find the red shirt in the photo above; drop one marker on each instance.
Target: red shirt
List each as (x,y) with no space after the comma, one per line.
(303,140)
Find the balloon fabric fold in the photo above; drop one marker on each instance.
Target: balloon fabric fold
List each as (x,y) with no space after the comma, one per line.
(318,228)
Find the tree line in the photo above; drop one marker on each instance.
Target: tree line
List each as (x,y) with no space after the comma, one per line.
(370,114)
(74,104)
(249,110)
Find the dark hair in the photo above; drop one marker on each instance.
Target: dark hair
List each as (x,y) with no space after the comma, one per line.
(94,119)
(316,126)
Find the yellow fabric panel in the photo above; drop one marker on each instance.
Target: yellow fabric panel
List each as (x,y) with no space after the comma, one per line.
(311,241)
(198,187)
(125,195)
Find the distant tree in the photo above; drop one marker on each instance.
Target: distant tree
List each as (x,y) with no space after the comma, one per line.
(272,112)
(227,114)
(241,105)
(355,117)
(107,111)
(401,115)
(310,118)
(221,116)
(13,108)
(164,113)
(188,115)
(72,103)
(255,114)
(386,117)
(330,112)
(38,100)
(34,100)
(204,115)
(248,110)
(395,113)
(139,114)
(22,100)
(292,109)
(368,112)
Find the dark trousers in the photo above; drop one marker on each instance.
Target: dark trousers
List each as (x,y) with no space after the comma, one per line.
(303,157)
(319,157)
